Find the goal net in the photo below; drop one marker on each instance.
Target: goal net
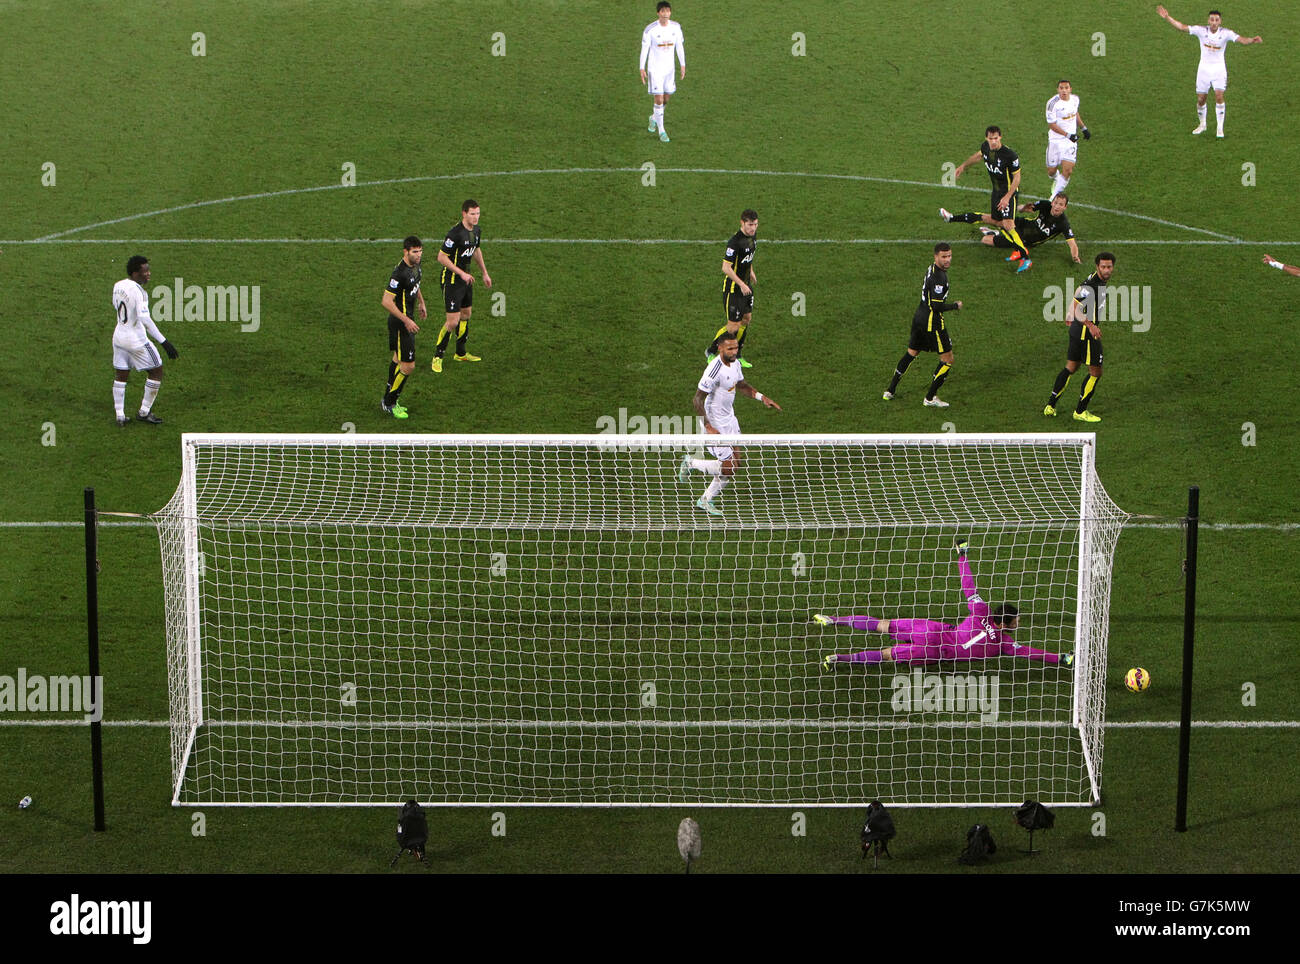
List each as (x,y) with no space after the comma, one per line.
(548,620)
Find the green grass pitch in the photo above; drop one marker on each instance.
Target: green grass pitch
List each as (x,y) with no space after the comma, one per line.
(834,121)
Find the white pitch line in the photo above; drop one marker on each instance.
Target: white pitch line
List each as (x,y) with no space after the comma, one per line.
(632,241)
(1219,526)
(73,525)
(591,170)
(691,724)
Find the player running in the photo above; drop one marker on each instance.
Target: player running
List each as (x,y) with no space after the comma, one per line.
(984,634)
(1212,72)
(659,43)
(1064,125)
(714,398)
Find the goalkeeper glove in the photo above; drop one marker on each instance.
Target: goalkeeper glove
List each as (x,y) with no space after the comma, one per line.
(170,349)
(1074,138)
(1087,134)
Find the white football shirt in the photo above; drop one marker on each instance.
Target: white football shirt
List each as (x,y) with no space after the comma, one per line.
(1065,115)
(658,44)
(720,381)
(134,324)
(1212,44)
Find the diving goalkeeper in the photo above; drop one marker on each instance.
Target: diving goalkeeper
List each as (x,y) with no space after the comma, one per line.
(984,634)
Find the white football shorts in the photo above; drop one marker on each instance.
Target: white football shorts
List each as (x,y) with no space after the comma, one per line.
(1059,149)
(1216,78)
(664,83)
(140,357)
(725,426)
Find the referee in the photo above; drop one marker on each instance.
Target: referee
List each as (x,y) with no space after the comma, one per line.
(928,330)
(1085,339)
(400,297)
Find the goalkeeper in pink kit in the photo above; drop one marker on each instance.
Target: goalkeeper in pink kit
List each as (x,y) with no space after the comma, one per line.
(984,634)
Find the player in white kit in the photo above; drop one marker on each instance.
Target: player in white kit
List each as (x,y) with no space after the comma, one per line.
(660,42)
(131,345)
(1213,71)
(1064,126)
(714,398)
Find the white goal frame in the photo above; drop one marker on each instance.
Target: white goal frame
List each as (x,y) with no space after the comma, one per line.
(190,638)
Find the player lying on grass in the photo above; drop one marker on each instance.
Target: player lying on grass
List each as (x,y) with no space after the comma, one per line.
(1048,221)
(984,634)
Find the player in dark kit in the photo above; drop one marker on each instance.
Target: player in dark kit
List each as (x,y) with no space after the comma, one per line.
(737,284)
(1049,221)
(928,330)
(1085,339)
(401,298)
(460,249)
(1003,165)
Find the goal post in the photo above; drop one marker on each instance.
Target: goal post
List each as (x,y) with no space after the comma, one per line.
(551,621)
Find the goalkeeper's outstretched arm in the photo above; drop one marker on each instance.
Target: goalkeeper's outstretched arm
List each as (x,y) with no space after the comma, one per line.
(1028,652)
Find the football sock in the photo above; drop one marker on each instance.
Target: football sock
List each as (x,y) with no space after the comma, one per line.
(119,398)
(658,117)
(462,335)
(150,393)
(399,382)
(1218,114)
(864,623)
(1062,379)
(1059,184)
(707,466)
(715,486)
(970,217)
(1085,396)
(443,337)
(1014,237)
(1015,255)
(902,367)
(940,375)
(869,656)
(392,370)
(1200,112)
(740,342)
